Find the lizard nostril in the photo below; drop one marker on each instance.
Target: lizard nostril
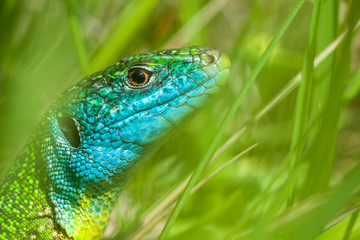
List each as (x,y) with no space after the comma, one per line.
(211,56)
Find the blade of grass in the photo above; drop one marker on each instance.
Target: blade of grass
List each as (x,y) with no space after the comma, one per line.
(327,32)
(320,154)
(227,119)
(166,205)
(351,225)
(353,87)
(281,95)
(189,11)
(298,222)
(304,227)
(267,196)
(284,92)
(128,24)
(76,32)
(337,228)
(196,23)
(343,216)
(302,108)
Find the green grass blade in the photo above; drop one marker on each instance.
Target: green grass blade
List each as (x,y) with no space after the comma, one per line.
(227,119)
(340,228)
(353,87)
(167,204)
(351,225)
(196,23)
(320,153)
(126,27)
(304,94)
(301,225)
(76,32)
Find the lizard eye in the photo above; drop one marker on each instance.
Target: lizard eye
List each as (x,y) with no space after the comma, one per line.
(69,129)
(138,77)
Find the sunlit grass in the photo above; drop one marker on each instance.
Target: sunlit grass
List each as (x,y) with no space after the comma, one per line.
(301,179)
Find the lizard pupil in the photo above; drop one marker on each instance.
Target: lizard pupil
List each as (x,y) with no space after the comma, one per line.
(138,77)
(68,128)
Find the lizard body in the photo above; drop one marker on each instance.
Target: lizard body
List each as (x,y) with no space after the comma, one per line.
(65,181)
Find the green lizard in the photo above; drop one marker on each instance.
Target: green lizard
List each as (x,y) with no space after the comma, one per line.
(64,183)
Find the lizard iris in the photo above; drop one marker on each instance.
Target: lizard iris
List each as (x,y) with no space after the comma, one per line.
(64,183)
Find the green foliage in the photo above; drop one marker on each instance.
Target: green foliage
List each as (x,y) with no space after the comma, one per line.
(300,181)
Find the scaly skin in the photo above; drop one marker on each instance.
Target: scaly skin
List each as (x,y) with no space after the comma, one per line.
(64,183)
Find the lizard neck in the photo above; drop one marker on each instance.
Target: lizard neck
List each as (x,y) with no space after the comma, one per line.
(89,218)
(85,182)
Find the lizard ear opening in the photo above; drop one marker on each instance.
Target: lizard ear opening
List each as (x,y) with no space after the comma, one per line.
(69,129)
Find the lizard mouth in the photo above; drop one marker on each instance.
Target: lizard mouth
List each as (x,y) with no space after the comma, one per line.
(210,77)
(217,68)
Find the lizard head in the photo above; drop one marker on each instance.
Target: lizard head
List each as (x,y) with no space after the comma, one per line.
(116,116)
(112,119)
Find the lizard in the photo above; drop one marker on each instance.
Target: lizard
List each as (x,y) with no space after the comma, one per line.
(65,181)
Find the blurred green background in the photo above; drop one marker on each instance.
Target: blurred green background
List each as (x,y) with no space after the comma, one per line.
(301,180)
